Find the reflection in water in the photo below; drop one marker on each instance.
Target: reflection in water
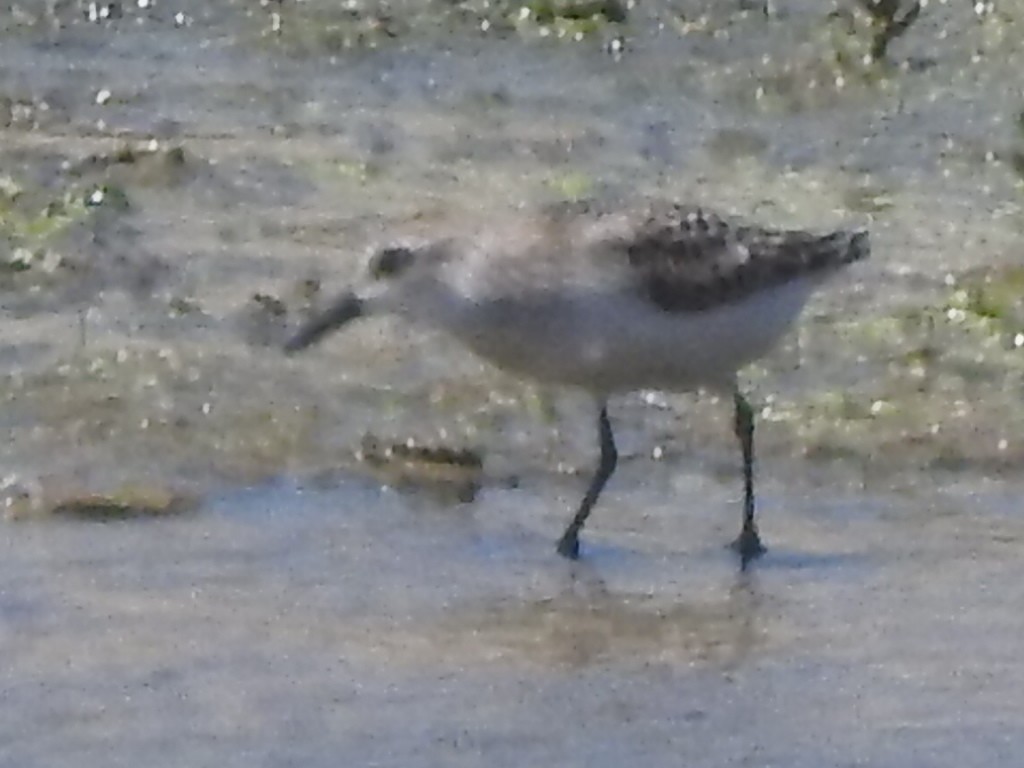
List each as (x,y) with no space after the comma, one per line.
(586,624)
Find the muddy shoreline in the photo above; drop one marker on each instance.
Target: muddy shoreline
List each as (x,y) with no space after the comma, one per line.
(203,552)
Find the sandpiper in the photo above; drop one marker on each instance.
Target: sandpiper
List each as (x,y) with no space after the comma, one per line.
(659,296)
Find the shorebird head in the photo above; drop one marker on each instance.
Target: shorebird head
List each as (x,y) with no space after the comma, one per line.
(395,279)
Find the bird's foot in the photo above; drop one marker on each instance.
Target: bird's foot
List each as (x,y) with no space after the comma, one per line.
(569,545)
(749,547)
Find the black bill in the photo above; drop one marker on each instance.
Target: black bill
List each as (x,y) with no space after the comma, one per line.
(345,308)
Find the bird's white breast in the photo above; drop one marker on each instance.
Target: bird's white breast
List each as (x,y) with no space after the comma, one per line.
(610,341)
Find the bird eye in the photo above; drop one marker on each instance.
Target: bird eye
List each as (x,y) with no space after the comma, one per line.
(389,262)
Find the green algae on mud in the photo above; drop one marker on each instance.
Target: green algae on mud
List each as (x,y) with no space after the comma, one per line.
(145,163)
(160,414)
(327,29)
(992,296)
(52,231)
(33,220)
(945,389)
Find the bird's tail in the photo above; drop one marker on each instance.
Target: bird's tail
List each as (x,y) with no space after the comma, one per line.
(842,248)
(825,254)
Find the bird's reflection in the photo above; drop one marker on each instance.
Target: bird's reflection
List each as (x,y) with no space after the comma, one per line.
(585,623)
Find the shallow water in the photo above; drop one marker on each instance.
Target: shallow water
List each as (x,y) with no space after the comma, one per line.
(295,626)
(298,613)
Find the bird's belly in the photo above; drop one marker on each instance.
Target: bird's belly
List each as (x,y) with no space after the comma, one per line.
(609,343)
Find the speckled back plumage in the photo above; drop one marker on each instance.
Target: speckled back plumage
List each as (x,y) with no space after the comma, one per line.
(686,259)
(689,260)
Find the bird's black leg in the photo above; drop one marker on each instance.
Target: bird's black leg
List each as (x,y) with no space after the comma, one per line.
(748,544)
(569,544)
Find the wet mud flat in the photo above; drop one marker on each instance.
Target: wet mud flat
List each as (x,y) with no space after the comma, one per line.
(215,553)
